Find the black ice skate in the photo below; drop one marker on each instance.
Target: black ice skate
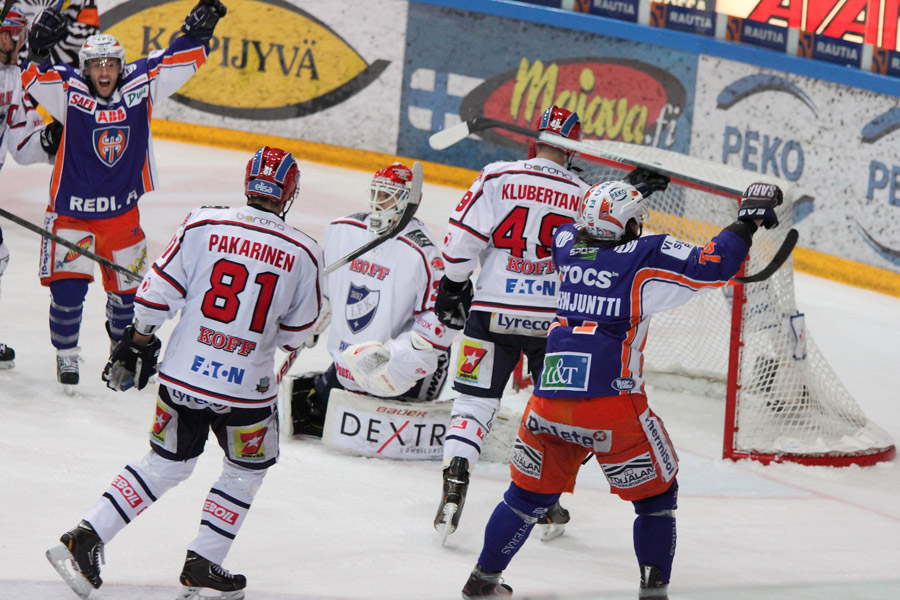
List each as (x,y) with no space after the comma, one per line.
(78,558)
(7,357)
(553,524)
(482,584)
(202,578)
(456,483)
(67,368)
(651,586)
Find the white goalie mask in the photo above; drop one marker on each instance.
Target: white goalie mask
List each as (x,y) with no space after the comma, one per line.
(607,208)
(388,196)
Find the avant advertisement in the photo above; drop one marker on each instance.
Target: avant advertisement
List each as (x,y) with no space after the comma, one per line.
(461,66)
(840,146)
(291,69)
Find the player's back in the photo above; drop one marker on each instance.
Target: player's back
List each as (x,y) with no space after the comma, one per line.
(250,282)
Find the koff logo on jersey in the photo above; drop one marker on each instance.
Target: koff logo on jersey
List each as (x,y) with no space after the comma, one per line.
(110,144)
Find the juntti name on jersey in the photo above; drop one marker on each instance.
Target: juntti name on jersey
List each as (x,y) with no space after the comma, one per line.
(589,304)
(100,204)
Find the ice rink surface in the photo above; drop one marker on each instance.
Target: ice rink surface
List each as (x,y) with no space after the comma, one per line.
(333,526)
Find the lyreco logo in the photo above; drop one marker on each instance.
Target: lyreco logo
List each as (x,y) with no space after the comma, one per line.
(566,371)
(533,326)
(598,440)
(289,64)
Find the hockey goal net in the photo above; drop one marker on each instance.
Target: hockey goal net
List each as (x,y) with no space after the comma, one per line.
(746,343)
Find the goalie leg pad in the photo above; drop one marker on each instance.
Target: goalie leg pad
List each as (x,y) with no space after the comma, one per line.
(654,531)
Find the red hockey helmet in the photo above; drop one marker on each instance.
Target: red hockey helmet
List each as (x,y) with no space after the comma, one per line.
(272,174)
(15,21)
(388,196)
(561,122)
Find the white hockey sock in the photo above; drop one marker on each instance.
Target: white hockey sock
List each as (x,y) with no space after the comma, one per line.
(224,511)
(133,490)
(470,422)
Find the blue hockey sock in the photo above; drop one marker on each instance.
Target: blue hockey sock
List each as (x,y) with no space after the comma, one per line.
(119,314)
(510,525)
(654,531)
(66,307)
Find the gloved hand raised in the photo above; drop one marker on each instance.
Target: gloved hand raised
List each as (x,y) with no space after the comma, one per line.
(759,202)
(49,28)
(646,181)
(201,22)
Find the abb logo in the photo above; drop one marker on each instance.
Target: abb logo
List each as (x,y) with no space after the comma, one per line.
(128,492)
(220,512)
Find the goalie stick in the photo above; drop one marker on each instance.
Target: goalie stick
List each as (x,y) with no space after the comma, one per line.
(620,154)
(71,246)
(415,195)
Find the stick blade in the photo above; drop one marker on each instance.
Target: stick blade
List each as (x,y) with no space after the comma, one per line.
(445,138)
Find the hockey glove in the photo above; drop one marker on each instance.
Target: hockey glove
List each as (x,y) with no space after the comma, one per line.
(759,202)
(391,369)
(646,181)
(51,136)
(320,325)
(201,21)
(131,364)
(47,30)
(453,301)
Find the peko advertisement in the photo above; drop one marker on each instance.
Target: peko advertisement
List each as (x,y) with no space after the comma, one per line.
(460,67)
(327,72)
(839,145)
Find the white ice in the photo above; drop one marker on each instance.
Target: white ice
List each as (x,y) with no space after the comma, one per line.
(329,525)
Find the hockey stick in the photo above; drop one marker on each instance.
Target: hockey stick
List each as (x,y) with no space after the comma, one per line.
(71,246)
(787,246)
(453,135)
(415,195)
(287,364)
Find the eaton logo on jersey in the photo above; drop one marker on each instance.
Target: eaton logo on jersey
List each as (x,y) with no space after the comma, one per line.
(566,371)
(516,285)
(362,303)
(110,144)
(598,440)
(217,370)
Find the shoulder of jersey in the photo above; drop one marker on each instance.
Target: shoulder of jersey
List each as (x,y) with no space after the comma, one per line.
(419,235)
(358,219)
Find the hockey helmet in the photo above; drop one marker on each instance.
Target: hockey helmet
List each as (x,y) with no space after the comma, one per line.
(388,196)
(272,174)
(101,46)
(561,122)
(15,21)
(607,208)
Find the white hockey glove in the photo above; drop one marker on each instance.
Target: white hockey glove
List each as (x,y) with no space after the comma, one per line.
(320,325)
(391,369)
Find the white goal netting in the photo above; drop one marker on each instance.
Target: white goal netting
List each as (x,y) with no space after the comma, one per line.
(746,343)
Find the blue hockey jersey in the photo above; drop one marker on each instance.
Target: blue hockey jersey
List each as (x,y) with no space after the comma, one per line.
(606,296)
(105,161)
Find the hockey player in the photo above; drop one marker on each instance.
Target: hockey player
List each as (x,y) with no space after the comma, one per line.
(506,221)
(245,282)
(105,163)
(590,397)
(385,338)
(22,131)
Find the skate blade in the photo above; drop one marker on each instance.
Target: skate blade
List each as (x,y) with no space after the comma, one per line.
(445,527)
(201,593)
(69,389)
(61,559)
(551,531)
(8,364)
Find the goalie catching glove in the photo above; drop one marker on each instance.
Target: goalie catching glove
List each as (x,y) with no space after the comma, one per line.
(453,301)
(391,369)
(759,203)
(131,364)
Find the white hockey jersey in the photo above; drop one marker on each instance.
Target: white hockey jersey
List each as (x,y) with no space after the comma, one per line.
(507,220)
(20,123)
(245,282)
(383,293)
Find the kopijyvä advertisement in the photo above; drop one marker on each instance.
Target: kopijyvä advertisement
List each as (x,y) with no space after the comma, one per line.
(325,71)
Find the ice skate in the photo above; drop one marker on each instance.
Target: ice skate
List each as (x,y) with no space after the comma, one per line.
(205,580)
(651,586)
(482,584)
(456,483)
(67,368)
(7,357)
(78,558)
(553,524)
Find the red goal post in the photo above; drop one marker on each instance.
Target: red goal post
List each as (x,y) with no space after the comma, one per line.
(745,343)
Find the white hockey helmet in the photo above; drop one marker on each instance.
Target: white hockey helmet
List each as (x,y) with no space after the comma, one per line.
(607,208)
(388,196)
(101,46)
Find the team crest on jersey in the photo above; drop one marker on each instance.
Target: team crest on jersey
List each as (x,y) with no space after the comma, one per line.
(362,303)
(110,144)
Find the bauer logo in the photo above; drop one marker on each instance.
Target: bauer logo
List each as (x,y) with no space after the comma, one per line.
(566,371)
(616,98)
(268,59)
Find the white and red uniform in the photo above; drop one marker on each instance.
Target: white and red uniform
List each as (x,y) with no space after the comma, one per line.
(506,220)
(20,123)
(231,271)
(384,294)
